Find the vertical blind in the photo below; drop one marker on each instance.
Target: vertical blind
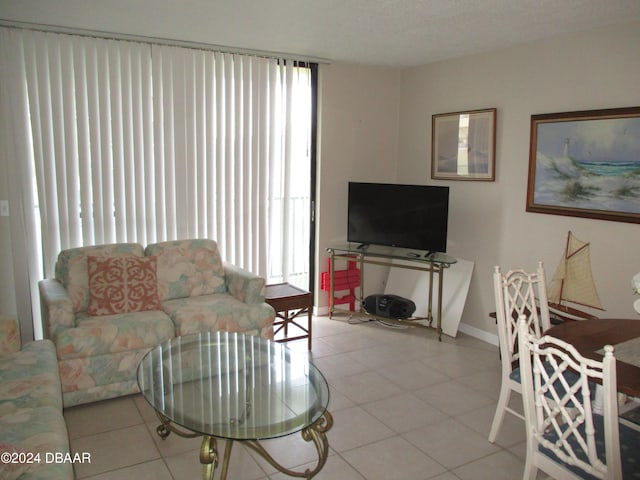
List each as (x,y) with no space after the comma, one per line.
(139,142)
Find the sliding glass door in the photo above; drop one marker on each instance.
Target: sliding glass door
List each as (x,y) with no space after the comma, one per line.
(138,142)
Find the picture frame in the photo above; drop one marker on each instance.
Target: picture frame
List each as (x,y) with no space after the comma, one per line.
(463,145)
(586,164)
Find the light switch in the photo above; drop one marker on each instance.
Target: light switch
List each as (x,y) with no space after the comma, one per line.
(4,208)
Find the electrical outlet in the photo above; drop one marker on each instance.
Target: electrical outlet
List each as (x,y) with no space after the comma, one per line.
(4,208)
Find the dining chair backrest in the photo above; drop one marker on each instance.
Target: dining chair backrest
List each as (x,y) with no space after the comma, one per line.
(565,438)
(519,293)
(516,293)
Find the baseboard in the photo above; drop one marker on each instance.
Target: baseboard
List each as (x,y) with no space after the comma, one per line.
(463,327)
(479,334)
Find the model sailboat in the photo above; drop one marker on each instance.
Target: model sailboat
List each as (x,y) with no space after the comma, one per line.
(573,281)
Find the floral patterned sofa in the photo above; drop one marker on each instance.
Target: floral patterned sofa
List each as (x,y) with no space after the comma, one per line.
(110,304)
(32,428)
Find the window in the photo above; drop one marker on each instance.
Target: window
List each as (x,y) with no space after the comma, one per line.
(140,142)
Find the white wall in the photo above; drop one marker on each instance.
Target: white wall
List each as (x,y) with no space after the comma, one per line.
(488,222)
(358,140)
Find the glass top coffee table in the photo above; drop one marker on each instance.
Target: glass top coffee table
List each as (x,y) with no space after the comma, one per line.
(230,386)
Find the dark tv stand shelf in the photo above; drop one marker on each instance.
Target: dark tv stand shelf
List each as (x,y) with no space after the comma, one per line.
(433,262)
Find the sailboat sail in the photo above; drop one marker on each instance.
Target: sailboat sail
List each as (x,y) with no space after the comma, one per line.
(573,280)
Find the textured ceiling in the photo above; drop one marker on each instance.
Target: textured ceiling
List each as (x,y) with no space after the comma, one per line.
(378,32)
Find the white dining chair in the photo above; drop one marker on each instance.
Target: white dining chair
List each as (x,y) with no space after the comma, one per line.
(565,437)
(516,293)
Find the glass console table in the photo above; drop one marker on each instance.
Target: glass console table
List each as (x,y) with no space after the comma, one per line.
(220,385)
(434,263)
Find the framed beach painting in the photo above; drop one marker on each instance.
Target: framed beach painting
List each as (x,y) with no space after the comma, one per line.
(463,145)
(586,164)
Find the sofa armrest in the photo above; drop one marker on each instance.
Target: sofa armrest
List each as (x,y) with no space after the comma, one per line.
(243,285)
(57,307)
(9,335)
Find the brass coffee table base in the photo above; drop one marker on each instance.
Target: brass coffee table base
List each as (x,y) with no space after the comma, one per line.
(209,457)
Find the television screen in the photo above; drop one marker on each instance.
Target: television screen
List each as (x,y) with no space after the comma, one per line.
(405,216)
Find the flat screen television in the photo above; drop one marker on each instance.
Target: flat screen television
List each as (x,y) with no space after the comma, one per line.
(397,215)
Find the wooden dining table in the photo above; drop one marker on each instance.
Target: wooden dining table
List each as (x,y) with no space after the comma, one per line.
(590,336)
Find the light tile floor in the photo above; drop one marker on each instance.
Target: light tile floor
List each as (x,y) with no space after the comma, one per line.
(405,407)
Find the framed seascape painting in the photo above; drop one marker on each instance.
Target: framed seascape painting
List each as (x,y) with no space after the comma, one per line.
(586,164)
(463,145)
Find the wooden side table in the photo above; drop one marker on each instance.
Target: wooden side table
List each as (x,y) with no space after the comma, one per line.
(290,302)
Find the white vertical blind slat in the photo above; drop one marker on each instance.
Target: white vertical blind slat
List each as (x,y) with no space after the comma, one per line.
(236,196)
(246,173)
(48,202)
(117,142)
(227,181)
(287,107)
(157,86)
(274,191)
(103,179)
(84,143)
(200,128)
(149,168)
(211,136)
(138,183)
(191,138)
(221,157)
(262,148)
(94,155)
(69,141)
(180,155)
(171,186)
(59,172)
(169,147)
(127,164)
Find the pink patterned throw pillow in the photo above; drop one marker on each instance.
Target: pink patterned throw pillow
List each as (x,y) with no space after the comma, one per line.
(122,284)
